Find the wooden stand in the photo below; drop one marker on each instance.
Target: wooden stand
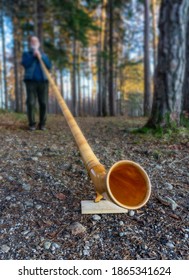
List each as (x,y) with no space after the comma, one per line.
(102,207)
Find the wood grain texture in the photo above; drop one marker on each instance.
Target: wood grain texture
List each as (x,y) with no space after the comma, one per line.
(102,207)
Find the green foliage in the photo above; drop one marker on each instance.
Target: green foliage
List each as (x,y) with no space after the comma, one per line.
(93,4)
(2,111)
(19,116)
(171,132)
(16,116)
(57,54)
(74,19)
(184,121)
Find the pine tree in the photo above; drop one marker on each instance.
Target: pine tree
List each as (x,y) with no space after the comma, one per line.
(170,71)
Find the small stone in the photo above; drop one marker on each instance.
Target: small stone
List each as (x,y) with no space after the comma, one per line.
(168,186)
(86,253)
(8,197)
(47,245)
(1,178)
(39,154)
(96,236)
(168,201)
(38,206)
(24,143)
(29,203)
(10,178)
(121,223)
(67,236)
(5,248)
(31,234)
(96,218)
(25,232)
(170,245)
(66,167)
(34,158)
(55,246)
(77,228)
(159,167)
(26,187)
(121,234)
(144,246)
(186,236)
(53,148)
(131,213)
(173,204)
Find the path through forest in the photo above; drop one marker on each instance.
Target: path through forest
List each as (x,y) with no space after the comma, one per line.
(43,180)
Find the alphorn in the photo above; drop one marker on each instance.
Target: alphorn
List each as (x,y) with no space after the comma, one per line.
(126,183)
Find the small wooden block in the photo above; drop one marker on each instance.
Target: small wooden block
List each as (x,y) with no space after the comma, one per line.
(102,207)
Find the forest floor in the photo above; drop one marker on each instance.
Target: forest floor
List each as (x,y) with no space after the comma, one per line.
(43,180)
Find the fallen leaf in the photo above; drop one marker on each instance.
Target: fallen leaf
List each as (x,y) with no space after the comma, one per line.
(60,196)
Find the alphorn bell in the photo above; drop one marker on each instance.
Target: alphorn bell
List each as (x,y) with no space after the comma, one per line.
(126,183)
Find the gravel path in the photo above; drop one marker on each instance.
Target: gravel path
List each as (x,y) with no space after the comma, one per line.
(43,180)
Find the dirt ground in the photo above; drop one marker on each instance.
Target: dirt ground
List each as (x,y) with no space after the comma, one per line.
(43,180)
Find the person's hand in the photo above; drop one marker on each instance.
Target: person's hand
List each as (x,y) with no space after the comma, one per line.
(37,53)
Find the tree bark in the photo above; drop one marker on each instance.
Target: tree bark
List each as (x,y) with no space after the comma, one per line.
(155,41)
(40,12)
(62,83)
(105,67)
(16,70)
(99,100)
(147,78)
(79,80)
(169,75)
(185,102)
(99,58)
(1,88)
(74,90)
(111,64)
(4,59)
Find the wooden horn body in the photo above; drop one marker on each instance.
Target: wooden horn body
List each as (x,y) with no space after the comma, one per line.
(126,183)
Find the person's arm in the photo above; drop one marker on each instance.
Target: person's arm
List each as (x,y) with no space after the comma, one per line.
(27,60)
(46,60)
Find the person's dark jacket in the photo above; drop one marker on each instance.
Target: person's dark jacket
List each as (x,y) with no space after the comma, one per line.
(33,70)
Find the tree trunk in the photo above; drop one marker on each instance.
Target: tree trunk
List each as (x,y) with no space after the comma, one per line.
(74,90)
(105,68)
(111,64)
(169,75)
(55,100)
(40,11)
(147,78)
(185,103)
(1,88)
(62,83)
(16,71)
(99,66)
(4,59)
(38,8)
(79,80)
(99,58)
(155,41)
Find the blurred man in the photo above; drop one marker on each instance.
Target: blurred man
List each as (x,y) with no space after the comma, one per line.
(36,83)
